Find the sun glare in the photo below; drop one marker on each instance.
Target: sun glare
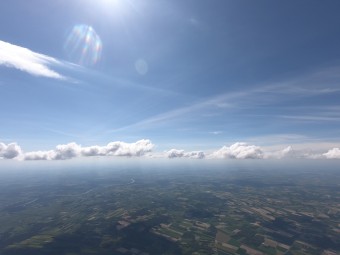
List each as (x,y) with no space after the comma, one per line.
(113,3)
(110,8)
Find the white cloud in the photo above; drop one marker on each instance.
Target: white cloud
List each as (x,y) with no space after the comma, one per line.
(287,152)
(173,153)
(9,151)
(144,147)
(311,152)
(72,150)
(239,151)
(93,151)
(332,154)
(61,152)
(66,151)
(27,61)
(195,155)
(138,148)
(39,155)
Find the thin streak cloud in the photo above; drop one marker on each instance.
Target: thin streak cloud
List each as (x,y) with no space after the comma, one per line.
(310,118)
(28,61)
(259,96)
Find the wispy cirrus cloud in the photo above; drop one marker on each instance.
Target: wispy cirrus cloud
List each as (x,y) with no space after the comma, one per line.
(257,99)
(28,61)
(310,118)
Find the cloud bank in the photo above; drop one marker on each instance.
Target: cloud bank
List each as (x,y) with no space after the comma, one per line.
(72,150)
(25,60)
(61,152)
(173,153)
(287,152)
(144,147)
(239,151)
(332,154)
(9,151)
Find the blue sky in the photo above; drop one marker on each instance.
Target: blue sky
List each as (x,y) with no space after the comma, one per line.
(193,75)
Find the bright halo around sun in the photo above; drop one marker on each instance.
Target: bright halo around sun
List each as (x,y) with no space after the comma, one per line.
(114,7)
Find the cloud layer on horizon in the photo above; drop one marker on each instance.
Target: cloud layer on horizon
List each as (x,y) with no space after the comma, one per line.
(28,61)
(72,150)
(239,151)
(145,147)
(173,153)
(332,154)
(287,152)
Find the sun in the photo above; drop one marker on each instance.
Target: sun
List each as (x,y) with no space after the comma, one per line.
(113,7)
(113,3)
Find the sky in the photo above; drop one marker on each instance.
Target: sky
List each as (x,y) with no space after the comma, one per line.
(180,78)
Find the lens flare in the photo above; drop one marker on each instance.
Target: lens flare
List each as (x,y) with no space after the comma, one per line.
(83,45)
(141,66)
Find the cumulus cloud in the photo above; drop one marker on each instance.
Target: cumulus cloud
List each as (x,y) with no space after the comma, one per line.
(93,151)
(144,147)
(239,151)
(332,154)
(287,152)
(72,150)
(138,148)
(173,153)
(9,151)
(27,61)
(39,155)
(66,151)
(61,152)
(195,154)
